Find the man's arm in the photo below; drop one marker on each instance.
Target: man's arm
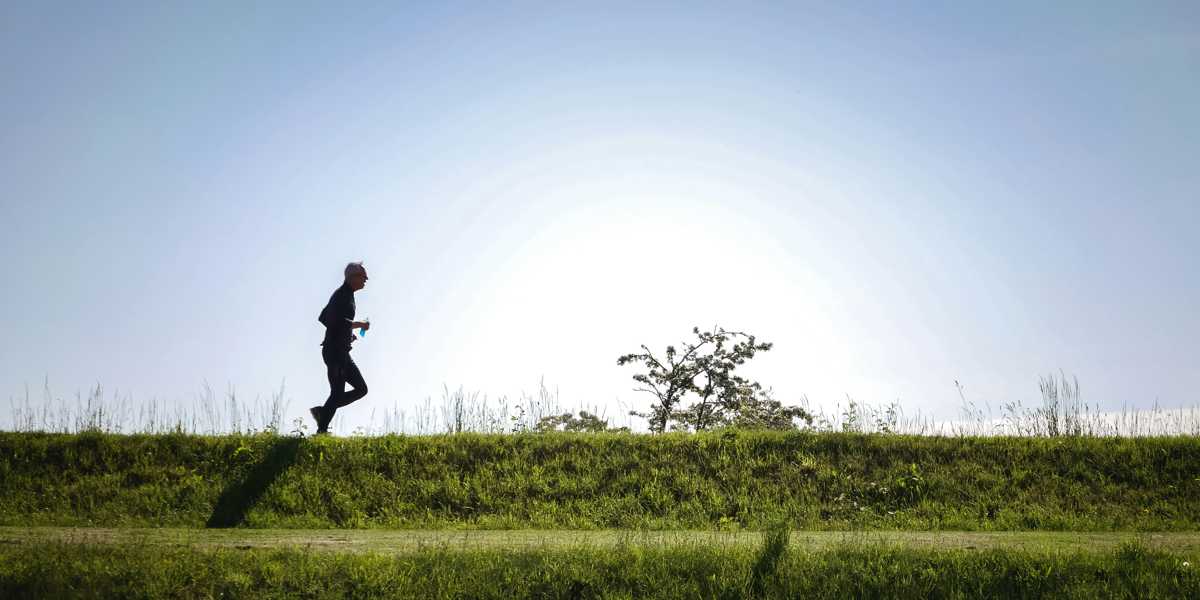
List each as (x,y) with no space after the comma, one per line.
(331,317)
(337,312)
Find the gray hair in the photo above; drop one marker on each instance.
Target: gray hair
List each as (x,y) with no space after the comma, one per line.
(352,268)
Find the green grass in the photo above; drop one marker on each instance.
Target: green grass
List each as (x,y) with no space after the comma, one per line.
(771,569)
(727,480)
(395,541)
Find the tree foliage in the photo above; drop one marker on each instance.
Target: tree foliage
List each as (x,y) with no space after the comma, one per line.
(586,421)
(763,411)
(704,368)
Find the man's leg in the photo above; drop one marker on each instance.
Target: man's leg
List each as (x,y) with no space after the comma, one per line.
(335,373)
(349,374)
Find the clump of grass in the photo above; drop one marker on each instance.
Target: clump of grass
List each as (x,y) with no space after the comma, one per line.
(98,411)
(764,574)
(464,411)
(1063,412)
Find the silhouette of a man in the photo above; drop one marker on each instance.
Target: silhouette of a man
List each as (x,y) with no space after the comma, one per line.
(338,319)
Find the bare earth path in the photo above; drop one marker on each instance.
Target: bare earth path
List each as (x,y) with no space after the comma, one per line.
(393,541)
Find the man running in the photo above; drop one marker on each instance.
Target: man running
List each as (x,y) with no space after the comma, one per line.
(338,319)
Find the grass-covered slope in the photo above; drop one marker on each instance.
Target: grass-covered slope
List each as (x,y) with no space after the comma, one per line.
(810,481)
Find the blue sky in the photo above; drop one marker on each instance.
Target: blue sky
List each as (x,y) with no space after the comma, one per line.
(898,196)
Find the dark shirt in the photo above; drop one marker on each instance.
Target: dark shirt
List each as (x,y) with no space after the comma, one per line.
(337,316)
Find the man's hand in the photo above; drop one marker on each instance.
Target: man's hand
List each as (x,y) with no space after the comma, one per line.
(361,325)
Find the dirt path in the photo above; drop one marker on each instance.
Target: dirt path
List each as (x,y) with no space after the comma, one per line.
(392,540)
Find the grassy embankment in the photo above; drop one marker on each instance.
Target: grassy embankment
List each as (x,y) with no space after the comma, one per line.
(583,481)
(590,481)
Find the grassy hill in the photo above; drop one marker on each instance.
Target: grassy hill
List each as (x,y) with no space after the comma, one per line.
(588,481)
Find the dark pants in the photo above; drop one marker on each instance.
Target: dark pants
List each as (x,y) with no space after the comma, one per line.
(340,369)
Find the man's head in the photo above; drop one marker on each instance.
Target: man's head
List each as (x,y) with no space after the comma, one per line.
(356,276)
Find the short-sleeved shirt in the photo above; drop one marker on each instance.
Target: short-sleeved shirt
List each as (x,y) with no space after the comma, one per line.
(337,316)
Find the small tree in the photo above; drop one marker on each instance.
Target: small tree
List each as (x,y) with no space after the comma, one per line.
(704,367)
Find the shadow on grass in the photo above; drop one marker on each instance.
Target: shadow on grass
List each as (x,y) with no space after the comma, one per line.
(240,496)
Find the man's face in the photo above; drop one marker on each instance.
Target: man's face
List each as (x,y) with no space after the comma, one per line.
(358,280)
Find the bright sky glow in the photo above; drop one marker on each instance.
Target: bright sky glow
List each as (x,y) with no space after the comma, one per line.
(897,197)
